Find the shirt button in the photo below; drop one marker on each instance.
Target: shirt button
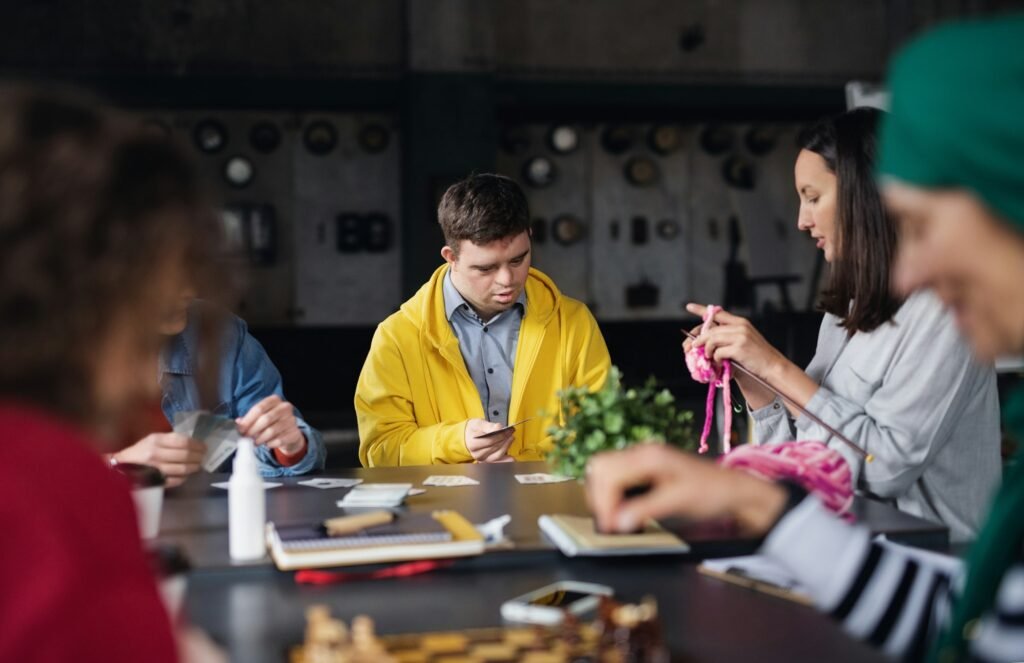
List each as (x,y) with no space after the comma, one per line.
(776,406)
(495,413)
(485,329)
(490,370)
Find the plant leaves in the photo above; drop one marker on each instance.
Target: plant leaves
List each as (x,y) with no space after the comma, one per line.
(614,418)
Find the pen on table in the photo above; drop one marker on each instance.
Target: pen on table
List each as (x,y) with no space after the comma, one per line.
(796,406)
(343,525)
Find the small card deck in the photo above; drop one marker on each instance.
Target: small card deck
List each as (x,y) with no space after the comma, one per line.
(381,495)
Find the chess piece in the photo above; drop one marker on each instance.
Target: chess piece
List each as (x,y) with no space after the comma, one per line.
(329,643)
(366,648)
(630,632)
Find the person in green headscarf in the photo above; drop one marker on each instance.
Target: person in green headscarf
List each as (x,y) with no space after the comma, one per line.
(952,173)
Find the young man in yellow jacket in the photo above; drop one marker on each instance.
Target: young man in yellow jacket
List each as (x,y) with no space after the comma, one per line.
(486,342)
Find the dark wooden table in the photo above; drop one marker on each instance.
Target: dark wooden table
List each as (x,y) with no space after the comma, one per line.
(257,612)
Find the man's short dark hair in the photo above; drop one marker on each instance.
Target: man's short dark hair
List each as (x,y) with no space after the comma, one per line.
(483,208)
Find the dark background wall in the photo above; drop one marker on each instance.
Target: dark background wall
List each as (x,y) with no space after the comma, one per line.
(447,79)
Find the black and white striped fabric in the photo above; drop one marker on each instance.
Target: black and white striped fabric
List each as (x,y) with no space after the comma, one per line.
(890,596)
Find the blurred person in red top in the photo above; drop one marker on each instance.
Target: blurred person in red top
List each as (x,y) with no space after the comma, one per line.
(101,223)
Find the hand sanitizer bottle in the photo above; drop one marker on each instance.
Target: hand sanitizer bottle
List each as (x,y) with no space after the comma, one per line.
(247,513)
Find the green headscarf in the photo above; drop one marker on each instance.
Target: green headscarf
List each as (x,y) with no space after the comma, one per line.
(957,121)
(957,115)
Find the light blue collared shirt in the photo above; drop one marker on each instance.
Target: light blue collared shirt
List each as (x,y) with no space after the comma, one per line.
(488,348)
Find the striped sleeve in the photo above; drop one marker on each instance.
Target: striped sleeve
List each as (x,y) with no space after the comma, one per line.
(879,594)
(999,635)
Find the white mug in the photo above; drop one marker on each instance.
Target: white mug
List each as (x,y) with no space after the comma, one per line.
(148,493)
(148,504)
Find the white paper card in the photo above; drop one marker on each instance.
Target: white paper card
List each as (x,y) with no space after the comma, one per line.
(450,480)
(540,477)
(329,482)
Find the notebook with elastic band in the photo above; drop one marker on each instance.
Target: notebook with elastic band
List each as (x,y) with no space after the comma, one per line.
(576,536)
(439,535)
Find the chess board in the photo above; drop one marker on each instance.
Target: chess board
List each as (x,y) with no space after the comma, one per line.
(535,645)
(490,645)
(330,640)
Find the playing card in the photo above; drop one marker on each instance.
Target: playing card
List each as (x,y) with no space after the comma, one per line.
(185,422)
(267,485)
(540,477)
(375,495)
(218,433)
(450,481)
(221,437)
(327,482)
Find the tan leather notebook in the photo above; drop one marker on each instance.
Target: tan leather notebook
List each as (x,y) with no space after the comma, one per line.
(576,536)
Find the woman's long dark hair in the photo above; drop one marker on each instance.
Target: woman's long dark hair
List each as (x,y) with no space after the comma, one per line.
(858,291)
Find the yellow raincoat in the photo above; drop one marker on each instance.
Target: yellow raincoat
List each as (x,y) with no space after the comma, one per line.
(415,394)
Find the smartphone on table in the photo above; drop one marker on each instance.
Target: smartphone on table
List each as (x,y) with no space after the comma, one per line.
(548,605)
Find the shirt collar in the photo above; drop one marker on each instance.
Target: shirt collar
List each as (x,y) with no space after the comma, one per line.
(176,356)
(453,301)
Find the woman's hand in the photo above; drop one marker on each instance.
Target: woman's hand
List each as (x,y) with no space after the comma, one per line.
(272,422)
(680,485)
(688,341)
(734,338)
(177,456)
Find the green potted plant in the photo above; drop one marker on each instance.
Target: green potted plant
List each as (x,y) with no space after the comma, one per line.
(614,418)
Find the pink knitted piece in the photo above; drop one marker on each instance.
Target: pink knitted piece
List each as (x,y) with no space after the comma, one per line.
(703,370)
(813,465)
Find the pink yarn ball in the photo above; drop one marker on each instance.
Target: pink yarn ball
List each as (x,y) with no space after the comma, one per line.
(819,469)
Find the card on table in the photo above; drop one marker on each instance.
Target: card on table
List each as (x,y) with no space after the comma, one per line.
(450,480)
(329,482)
(541,477)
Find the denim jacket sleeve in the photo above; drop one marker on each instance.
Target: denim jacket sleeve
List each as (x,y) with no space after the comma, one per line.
(253,378)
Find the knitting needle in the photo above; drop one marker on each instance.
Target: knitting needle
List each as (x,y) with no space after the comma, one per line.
(796,406)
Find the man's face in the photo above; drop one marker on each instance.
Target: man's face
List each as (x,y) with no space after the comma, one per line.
(490,277)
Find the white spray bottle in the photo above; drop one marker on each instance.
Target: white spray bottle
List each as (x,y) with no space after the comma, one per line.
(247,513)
